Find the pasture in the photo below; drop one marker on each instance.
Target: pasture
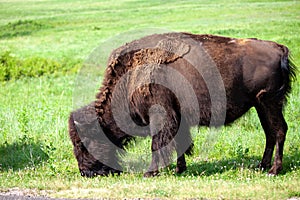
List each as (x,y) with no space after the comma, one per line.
(43,45)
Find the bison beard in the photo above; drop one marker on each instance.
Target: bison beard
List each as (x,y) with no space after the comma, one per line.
(254,73)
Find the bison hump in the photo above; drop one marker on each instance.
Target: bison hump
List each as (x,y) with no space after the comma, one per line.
(166,51)
(157,48)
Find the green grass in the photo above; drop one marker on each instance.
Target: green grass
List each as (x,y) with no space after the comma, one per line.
(35,151)
(12,68)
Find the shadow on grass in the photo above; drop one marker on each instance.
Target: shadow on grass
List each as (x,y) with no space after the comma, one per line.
(208,168)
(21,155)
(291,162)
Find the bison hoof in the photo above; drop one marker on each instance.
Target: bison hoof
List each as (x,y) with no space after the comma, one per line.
(180,170)
(263,166)
(274,170)
(151,174)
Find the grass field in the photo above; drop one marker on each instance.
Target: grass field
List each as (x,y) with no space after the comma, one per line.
(35,151)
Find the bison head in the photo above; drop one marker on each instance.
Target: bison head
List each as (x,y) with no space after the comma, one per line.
(96,154)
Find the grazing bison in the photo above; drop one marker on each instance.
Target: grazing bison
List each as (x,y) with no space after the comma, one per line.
(163,84)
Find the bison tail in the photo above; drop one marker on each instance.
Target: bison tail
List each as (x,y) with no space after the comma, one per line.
(288,69)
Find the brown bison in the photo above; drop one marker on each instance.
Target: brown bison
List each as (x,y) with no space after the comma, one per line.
(163,84)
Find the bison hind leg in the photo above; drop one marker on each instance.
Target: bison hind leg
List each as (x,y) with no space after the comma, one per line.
(275,128)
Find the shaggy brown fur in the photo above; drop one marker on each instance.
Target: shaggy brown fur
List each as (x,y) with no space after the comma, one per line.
(87,138)
(143,95)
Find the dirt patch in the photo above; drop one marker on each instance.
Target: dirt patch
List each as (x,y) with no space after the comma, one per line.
(16,193)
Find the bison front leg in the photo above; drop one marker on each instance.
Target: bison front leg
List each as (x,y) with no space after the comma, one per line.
(153,170)
(275,128)
(163,128)
(163,156)
(184,145)
(181,164)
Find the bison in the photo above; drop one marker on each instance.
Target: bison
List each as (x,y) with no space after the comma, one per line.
(163,84)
